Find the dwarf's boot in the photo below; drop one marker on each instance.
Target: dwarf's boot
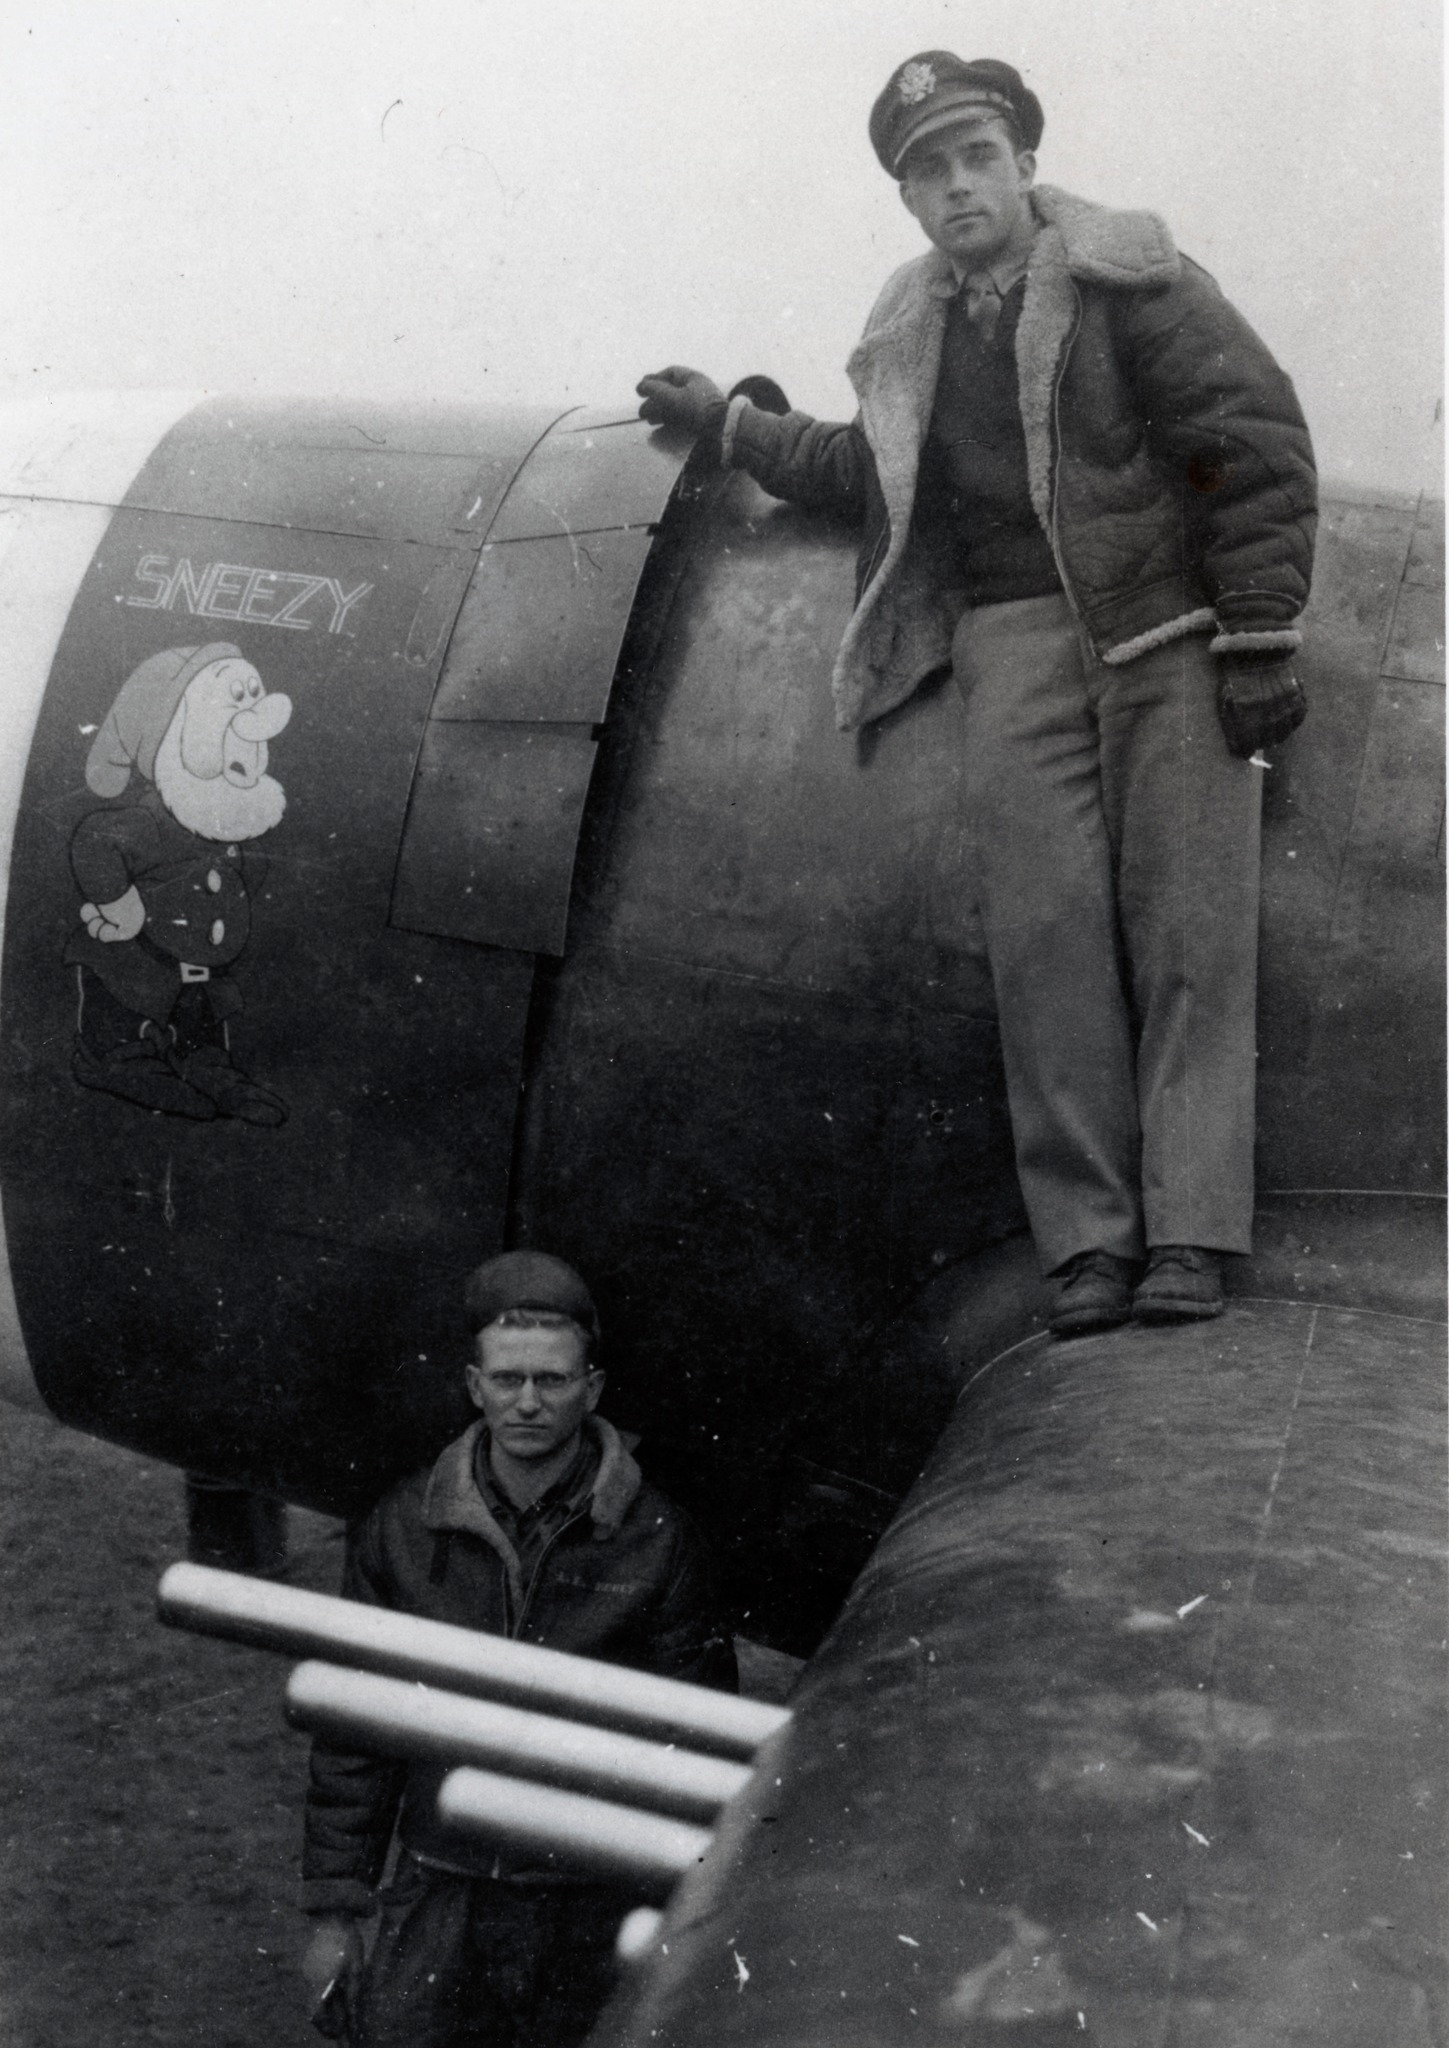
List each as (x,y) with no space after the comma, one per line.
(209,1070)
(138,1070)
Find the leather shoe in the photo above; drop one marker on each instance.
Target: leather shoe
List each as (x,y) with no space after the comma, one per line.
(1094,1292)
(1182,1284)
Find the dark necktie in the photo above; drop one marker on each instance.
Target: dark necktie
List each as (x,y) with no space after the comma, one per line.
(982,301)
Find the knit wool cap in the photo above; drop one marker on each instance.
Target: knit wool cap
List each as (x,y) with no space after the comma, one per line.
(528,1280)
(145,705)
(935,89)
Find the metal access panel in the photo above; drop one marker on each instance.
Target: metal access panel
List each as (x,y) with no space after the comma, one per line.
(490,843)
(539,631)
(595,470)
(503,772)
(418,473)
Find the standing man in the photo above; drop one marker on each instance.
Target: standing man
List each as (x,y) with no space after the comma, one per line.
(536,1524)
(1082,482)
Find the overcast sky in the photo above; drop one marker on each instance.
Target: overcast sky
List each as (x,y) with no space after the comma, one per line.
(540,199)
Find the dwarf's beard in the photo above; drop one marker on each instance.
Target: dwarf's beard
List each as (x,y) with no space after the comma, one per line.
(215,808)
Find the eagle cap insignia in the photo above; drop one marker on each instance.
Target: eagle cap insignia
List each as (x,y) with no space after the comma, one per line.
(917,83)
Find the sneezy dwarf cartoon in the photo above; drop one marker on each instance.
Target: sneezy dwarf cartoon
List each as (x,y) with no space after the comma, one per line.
(167,880)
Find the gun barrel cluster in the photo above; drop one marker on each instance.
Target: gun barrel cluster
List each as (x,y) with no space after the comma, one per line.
(610,1772)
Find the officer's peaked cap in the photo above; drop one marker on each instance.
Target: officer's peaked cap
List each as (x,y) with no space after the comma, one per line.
(936,89)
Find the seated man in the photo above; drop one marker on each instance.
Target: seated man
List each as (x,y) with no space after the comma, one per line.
(536,1524)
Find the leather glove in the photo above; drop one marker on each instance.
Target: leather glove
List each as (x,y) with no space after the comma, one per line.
(1260,700)
(684,399)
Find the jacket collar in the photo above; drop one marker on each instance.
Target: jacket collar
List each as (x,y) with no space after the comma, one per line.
(1105,246)
(1078,243)
(1096,244)
(452,1499)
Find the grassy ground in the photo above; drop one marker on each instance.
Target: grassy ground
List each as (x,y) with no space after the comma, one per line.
(149,1806)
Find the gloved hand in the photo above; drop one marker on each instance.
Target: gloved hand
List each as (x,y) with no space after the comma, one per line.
(684,399)
(1260,700)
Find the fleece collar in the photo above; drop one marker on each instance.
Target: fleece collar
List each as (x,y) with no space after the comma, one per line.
(1093,244)
(452,1499)
(1078,243)
(1106,246)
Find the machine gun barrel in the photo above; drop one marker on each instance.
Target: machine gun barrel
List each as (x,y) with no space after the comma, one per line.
(300,1623)
(588,1835)
(390,1717)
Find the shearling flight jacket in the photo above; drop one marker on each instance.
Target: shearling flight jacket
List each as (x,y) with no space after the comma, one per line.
(1168,460)
(624,1579)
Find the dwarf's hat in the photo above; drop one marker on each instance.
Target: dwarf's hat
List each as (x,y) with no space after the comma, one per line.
(145,706)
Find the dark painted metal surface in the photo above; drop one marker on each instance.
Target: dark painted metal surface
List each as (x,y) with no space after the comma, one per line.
(274,1302)
(1349,1250)
(432,474)
(490,841)
(1351,1011)
(1415,650)
(253,1302)
(596,470)
(1133,1729)
(747,836)
(527,642)
(488,850)
(276,1305)
(234,1529)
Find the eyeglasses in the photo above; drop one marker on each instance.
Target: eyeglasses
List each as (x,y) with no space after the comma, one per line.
(547,1385)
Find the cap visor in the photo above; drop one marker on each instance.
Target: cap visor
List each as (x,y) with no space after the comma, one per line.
(959,114)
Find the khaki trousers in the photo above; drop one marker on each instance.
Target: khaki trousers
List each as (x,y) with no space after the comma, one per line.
(1117,845)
